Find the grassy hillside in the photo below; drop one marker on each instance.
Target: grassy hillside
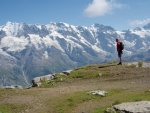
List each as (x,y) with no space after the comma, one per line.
(69,94)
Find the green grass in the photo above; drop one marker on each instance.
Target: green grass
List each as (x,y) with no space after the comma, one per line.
(85,72)
(92,72)
(48,84)
(53,83)
(9,92)
(117,98)
(69,102)
(140,64)
(12,108)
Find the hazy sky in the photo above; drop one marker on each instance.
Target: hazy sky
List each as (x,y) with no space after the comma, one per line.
(120,14)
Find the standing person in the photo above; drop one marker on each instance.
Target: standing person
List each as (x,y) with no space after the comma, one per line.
(119,51)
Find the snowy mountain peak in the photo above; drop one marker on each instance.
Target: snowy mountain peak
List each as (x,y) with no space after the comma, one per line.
(12,29)
(102,27)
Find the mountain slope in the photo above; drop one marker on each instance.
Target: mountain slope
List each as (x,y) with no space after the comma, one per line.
(142,56)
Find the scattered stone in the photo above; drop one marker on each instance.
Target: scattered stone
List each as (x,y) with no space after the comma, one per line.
(124,88)
(13,87)
(66,72)
(100,74)
(148,90)
(136,64)
(133,63)
(110,110)
(146,65)
(98,92)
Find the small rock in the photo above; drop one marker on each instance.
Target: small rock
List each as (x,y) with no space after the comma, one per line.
(100,74)
(110,110)
(98,92)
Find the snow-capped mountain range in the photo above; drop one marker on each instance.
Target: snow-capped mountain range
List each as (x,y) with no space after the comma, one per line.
(28,51)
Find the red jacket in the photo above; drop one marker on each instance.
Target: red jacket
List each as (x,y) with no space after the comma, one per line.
(118,46)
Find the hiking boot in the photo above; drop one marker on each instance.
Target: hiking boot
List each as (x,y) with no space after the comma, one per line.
(119,63)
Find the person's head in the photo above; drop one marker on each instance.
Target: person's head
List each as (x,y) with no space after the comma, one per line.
(117,39)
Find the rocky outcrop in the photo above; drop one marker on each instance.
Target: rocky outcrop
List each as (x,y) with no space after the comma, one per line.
(130,107)
(37,80)
(66,72)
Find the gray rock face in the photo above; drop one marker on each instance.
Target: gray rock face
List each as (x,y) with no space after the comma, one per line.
(37,80)
(131,107)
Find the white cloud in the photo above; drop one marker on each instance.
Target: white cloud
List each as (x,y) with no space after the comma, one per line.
(101,7)
(139,23)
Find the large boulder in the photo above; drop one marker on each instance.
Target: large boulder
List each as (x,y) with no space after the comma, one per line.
(131,107)
(37,81)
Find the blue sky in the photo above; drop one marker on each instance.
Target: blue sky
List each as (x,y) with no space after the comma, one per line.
(120,14)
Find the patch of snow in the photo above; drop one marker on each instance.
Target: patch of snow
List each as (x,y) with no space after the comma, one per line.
(14,43)
(50,42)
(45,55)
(121,34)
(7,55)
(94,47)
(56,34)
(109,45)
(12,29)
(67,25)
(39,26)
(72,44)
(129,44)
(36,40)
(92,28)
(141,33)
(127,52)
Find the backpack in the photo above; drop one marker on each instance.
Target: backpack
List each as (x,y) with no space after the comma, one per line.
(121,46)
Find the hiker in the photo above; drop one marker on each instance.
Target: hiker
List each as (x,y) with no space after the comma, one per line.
(119,49)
